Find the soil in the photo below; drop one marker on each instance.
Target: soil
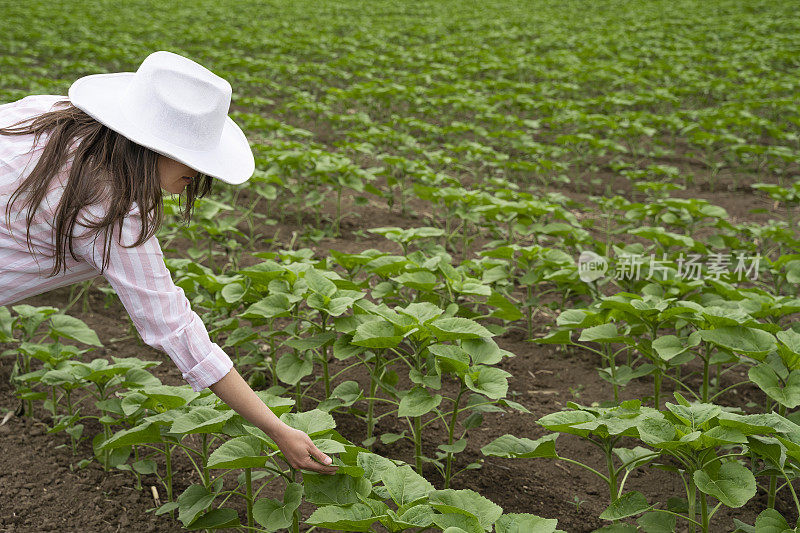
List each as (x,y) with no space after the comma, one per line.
(43,490)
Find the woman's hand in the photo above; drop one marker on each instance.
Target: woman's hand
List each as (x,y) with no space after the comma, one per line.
(298,450)
(295,445)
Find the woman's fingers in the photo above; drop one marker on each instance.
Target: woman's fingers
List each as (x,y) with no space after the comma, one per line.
(311,464)
(317,454)
(300,452)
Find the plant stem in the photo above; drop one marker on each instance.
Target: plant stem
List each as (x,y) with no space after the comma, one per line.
(206,477)
(613,364)
(657,388)
(373,389)
(53,407)
(450,430)
(773,485)
(418,444)
(106,452)
(168,459)
(612,473)
(135,473)
(248,480)
(773,479)
(705,376)
(704,511)
(299,397)
(296,514)
(692,501)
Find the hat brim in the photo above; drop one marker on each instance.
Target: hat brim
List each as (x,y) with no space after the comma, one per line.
(231,161)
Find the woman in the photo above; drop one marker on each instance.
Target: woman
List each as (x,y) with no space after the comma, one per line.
(81,185)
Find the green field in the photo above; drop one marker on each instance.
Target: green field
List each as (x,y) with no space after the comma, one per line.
(403,276)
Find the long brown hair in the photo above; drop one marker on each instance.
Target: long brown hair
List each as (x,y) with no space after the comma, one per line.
(108,169)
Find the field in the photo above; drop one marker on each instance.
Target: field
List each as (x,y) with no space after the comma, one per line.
(406,275)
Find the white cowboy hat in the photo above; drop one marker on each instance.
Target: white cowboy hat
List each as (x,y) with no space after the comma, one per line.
(175,107)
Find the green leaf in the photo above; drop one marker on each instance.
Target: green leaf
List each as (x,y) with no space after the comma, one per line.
(458,446)
(201,420)
(292,368)
(629,504)
(564,421)
(789,348)
(559,336)
(6,325)
(488,380)
(579,318)
(167,507)
(417,516)
(458,522)
(451,357)
(311,343)
(374,465)
(452,328)
(333,489)
(240,336)
(144,433)
(376,334)
(421,312)
(635,457)
(272,306)
(72,328)
(484,351)
(656,522)
(729,482)
(193,501)
(274,515)
(524,523)
(654,432)
(240,452)
(768,381)
(768,448)
(329,446)
(216,519)
(233,292)
(168,396)
(276,404)
(695,414)
(417,402)
(353,517)
(466,502)
(522,448)
(771,521)
(145,466)
(504,309)
(389,438)
(319,283)
(604,333)
(314,422)
(740,339)
(338,306)
(405,485)
(347,391)
(668,346)
(421,280)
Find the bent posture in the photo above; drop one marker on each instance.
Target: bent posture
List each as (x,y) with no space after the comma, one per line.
(81,182)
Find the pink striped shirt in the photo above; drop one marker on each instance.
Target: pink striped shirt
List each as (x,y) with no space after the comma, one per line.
(158,308)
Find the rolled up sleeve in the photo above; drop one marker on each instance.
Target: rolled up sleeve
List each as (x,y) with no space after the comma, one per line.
(159,309)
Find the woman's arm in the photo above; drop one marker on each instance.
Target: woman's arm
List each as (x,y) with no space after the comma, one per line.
(295,445)
(163,317)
